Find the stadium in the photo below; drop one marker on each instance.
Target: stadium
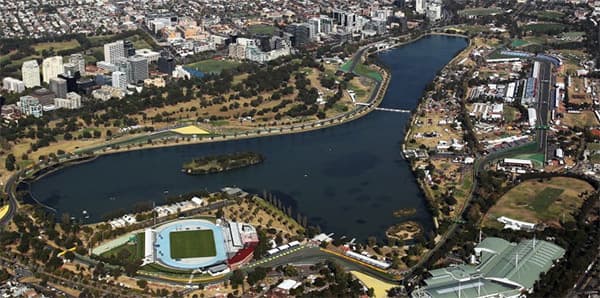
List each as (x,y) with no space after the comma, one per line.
(199,244)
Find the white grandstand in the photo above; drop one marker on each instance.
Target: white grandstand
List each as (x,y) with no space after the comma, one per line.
(149,250)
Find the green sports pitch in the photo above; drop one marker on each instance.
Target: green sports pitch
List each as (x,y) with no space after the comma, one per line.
(192,244)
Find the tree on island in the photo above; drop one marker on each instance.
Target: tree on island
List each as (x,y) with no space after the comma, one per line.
(9,163)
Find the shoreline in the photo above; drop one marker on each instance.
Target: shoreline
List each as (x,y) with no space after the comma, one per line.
(308,127)
(429,200)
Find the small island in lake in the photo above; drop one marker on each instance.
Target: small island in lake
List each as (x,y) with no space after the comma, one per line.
(405,212)
(404,231)
(221,163)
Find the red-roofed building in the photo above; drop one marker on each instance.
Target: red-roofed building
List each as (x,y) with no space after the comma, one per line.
(243,256)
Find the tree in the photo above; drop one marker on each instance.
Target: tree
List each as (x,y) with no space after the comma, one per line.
(220,213)
(10,162)
(142,283)
(237,278)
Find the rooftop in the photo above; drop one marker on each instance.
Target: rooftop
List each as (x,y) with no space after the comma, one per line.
(504,268)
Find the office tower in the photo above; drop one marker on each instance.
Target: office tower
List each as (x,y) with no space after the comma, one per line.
(119,80)
(51,68)
(129,48)
(78,60)
(138,69)
(166,63)
(70,68)
(326,25)
(300,33)
(30,71)
(71,80)
(113,51)
(30,106)
(59,87)
(420,6)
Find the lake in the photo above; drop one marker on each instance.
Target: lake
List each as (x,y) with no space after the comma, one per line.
(347,179)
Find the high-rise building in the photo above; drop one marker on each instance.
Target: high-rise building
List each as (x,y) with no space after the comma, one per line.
(59,87)
(420,6)
(434,10)
(78,60)
(300,33)
(30,71)
(30,106)
(119,80)
(315,24)
(71,79)
(72,101)
(138,69)
(13,85)
(326,25)
(51,68)
(70,68)
(129,48)
(166,63)
(113,51)
(347,21)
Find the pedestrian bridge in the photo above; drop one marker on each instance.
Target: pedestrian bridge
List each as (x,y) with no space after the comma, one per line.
(382,109)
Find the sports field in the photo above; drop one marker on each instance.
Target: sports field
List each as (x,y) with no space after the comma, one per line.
(214,66)
(549,201)
(192,244)
(480,11)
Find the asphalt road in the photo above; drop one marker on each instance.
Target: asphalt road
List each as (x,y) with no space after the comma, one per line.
(12,200)
(543,105)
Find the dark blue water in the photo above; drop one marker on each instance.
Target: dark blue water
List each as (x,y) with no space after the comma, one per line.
(347,179)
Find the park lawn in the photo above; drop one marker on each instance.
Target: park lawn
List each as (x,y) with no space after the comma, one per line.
(480,11)
(346,66)
(57,46)
(214,66)
(192,244)
(544,27)
(548,201)
(585,119)
(364,70)
(262,29)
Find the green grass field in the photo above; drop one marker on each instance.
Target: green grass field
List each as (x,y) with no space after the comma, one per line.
(214,66)
(518,43)
(480,11)
(545,28)
(192,244)
(364,70)
(262,29)
(135,249)
(545,198)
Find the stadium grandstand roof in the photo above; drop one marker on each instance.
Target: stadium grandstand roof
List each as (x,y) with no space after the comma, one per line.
(504,268)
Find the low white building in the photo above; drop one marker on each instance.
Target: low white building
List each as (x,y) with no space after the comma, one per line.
(13,85)
(151,56)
